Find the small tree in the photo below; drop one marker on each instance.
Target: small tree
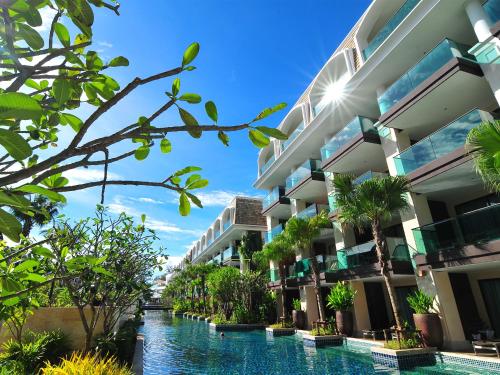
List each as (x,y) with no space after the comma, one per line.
(250,243)
(373,202)
(483,143)
(223,287)
(302,232)
(281,252)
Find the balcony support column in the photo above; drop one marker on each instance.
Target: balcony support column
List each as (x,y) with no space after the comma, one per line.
(297,206)
(481,23)
(393,144)
(308,296)
(438,284)
(361,314)
(417,215)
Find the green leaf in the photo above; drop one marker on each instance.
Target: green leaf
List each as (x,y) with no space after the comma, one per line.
(63,34)
(11,301)
(34,277)
(186,170)
(197,185)
(211,110)
(81,14)
(119,61)
(19,106)
(102,271)
(142,153)
(28,264)
(64,252)
(30,35)
(176,86)
(193,178)
(72,120)
(43,251)
(190,53)
(184,205)
(12,200)
(15,145)
(224,138)
(258,139)
(165,146)
(55,181)
(269,111)
(93,61)
(32,84)
(35,189)
(272,132)
(10,285)
(143,218)
(62,90)
(10,226)
(191,122)
(194,199)
(190,98)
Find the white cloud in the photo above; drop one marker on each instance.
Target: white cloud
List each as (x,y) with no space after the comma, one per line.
(147,200)
(47,15)
(83,175)
(105,44)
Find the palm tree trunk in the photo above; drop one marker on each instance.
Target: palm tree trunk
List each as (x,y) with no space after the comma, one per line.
(317,288)
(379,238)
(281,270)
(204,294)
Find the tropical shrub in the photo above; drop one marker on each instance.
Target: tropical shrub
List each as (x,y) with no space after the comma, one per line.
(81,364)
(242,315)
(222,286)
(120,345)
(420,302)
(180,305)
(285,324)
(296,304)
(408,343)
(341,297)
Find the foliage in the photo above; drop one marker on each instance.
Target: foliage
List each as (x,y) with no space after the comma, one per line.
(242,315)
(34,350)
(420,302)
(296,304)
(324,331)
(285,324)
(48,79)
(120,345)
(483,142)
(180,305)
(250,244)
(223,286)
(83,364)
(404,343)
(341,297)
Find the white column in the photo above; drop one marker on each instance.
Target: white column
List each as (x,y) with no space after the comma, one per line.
(479,19)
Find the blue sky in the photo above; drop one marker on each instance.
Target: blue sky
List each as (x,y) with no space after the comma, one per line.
(253,54)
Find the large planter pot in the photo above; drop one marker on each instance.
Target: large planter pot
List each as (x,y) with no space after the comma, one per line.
(432,330)
(299,319)
(345,322)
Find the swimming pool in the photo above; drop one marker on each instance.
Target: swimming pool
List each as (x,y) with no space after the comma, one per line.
(174,345)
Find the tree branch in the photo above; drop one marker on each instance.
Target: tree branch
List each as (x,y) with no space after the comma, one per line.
(115,182)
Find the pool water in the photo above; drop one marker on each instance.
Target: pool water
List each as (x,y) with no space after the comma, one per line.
(174,345)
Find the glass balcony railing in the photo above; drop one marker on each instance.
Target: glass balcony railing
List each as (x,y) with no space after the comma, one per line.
(428,65)
(438,144)
(272,197)
(492,8)
(209,242)
(226,225)
(475,227)
(292,136)
(368,176)
(217,234)
(329,263)
(389,27)
(230,254)
(357,126)
(312,210)
(266,165)
(273,233)
(364,254)
(217,259)
(305,170)
(332,203)
(302,268)
(274,274)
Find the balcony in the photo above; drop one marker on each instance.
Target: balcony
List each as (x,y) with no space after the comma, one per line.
(266,165)
(312,210)
(292,136)
(389,27)
(477,228)
(230,254)
(274,275)
(209,242)
(273,233)
(226,225)
(301,268)
(354,149)
(328,263)
(216,234)
(276,204)
(492,8)
(438,57)
(306,182)
(440,143)
(368,176)
(217,259)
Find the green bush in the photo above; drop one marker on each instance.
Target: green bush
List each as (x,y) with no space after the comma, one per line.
(35,349)
(286,324)
(242,316)
(296,304)
(420,302)
(329,330)
(122,344)
(181,305)
(81,364)
(409,343)
(341,297)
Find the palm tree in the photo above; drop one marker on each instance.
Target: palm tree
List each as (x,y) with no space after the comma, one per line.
(281,252)
(44,211)
(483,143)
(372,203)
(302,232)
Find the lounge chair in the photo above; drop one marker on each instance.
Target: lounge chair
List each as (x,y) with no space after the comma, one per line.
(486,345)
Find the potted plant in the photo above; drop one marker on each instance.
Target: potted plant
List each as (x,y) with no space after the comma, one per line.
(298,316)
(341,299)
(426,321)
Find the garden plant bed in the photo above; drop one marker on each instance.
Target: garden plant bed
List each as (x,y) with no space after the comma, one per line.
(324,340)
(237,327)
(404,359)
(280,331)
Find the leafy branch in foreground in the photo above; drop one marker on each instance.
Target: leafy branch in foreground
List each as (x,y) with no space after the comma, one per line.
(47,79)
